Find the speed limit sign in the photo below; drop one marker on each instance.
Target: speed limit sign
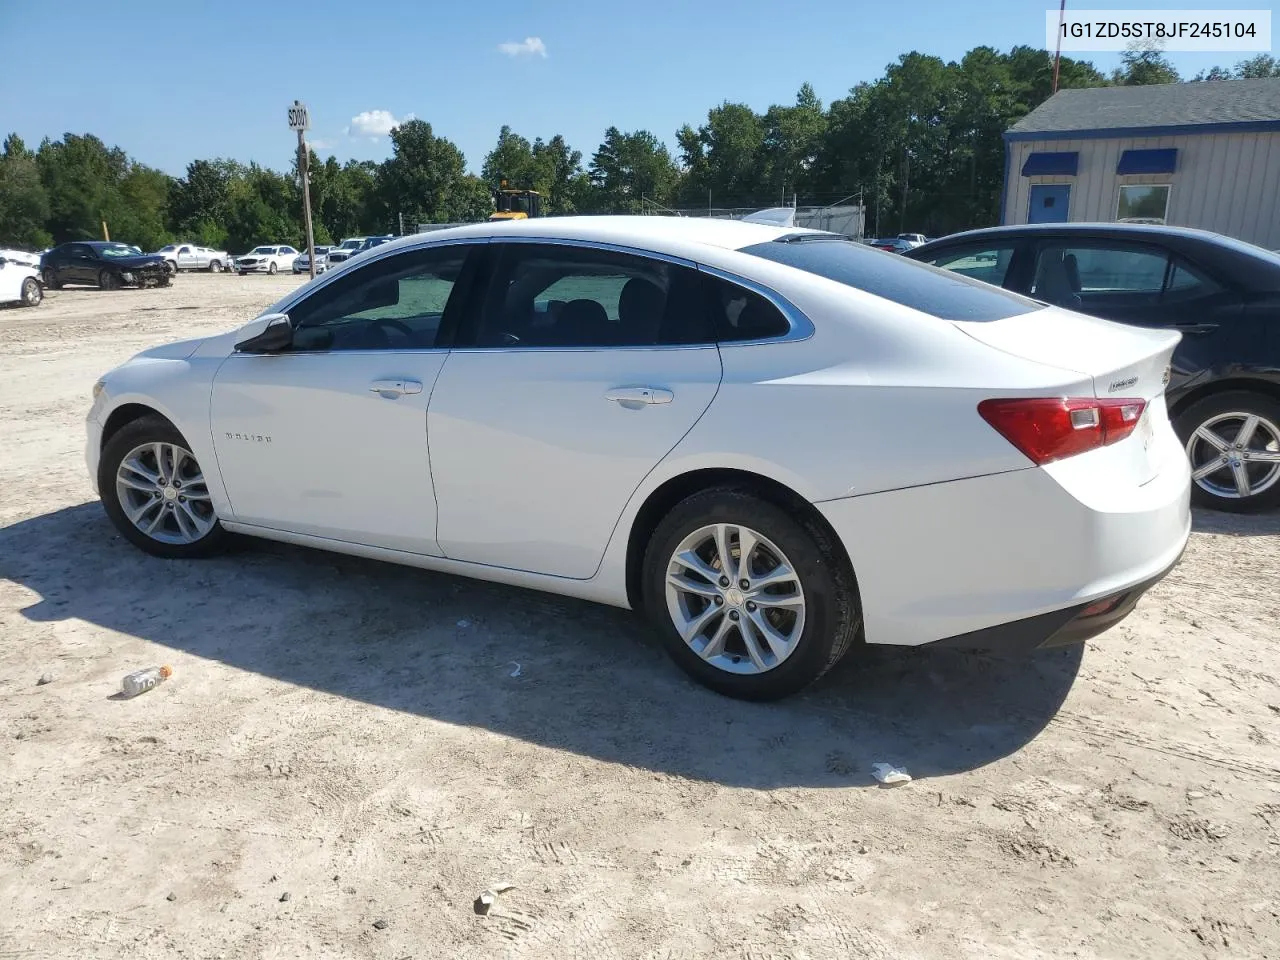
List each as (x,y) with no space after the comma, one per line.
(298,119)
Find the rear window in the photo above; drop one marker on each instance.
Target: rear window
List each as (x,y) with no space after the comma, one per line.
(919,286)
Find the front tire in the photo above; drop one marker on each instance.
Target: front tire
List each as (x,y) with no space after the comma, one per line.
(155,493)
(31,293)
(108,280)
(762,629)
(172,267)
(215,266)
(271,267)
(51,279)
(1233,442)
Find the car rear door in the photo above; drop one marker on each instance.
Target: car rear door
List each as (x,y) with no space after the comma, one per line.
(1145,285)
(572,378)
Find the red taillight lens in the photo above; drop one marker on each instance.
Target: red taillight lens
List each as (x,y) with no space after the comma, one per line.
(1048,429)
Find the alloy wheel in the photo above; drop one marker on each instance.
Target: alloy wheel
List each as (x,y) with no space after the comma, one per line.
(735,598)
(164,494)
(1235,455)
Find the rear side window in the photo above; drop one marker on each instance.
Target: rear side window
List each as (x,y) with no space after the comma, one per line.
(931,290)
(741,314)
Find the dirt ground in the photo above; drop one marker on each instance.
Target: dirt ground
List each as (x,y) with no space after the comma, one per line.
(346,755)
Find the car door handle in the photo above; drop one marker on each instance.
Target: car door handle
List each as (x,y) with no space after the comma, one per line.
(394,388)
(639,395)
(1196,327)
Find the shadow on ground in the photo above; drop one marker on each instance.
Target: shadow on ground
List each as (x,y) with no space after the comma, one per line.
(591,681)
(1236,524)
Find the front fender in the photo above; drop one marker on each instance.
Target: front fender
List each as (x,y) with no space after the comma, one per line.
(179,390)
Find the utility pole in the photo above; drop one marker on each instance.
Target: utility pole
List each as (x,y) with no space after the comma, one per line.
(300,121)
(1057,55)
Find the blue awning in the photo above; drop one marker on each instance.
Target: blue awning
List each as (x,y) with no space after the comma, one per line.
(1148,161)
(1051,165)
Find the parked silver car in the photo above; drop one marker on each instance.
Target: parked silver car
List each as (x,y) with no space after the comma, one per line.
(188,256)
(302,263)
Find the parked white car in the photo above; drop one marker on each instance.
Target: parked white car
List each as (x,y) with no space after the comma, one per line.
(346,249)
(302,262)
(266,259)
(19,279)
(777,443)
(188,256)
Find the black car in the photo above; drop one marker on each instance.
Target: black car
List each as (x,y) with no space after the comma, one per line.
(102,263)
(1222,294)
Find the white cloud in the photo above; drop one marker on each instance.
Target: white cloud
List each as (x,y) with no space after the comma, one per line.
(529,47)
(321,144)
(374,123)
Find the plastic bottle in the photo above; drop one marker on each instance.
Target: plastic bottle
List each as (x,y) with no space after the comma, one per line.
(140,681)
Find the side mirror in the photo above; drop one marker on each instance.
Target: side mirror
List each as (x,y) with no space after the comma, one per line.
(271,333)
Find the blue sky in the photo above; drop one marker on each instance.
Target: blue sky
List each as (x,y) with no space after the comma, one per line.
(179,81)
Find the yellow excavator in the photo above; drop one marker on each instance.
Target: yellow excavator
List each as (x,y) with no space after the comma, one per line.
(513,203)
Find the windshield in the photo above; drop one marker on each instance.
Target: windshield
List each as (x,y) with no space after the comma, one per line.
(263,250)
(931,290)
(116,250)
(350,244)
(167,247)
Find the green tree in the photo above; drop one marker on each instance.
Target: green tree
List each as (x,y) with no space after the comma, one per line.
(24,206)
(560,175)
(1258,67)
(423,171)
(793,137)
(1144,63)
(512,160)
(726,157)
(629,169)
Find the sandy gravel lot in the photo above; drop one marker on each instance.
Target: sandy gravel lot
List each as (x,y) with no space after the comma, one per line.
(343,761)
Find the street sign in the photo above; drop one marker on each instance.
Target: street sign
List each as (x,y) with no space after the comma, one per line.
(298,119)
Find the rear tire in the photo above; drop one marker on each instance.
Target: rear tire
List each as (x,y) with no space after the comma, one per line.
(1247,474)
(31,293)
(197,532)
(108,280)
(813,620)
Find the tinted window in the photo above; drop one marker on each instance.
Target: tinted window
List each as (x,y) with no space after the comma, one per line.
(1187,283)
(555,295)
(392,304)
(1097,269)
(987,263)
(919,286)
(742,314)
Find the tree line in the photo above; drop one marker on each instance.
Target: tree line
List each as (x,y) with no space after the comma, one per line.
(921,147)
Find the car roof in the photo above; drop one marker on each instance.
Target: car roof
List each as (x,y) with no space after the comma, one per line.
(1110,229)
(674,236)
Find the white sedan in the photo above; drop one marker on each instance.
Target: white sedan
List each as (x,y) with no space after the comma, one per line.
(777,443)
(20,278)
(266,259)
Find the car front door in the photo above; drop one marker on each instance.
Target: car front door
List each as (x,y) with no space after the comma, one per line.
(186,259)
(580,370)
(11,278)
(81,265)
(329,437)
(1145,285)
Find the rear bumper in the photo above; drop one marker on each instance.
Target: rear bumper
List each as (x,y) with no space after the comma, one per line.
(1013,559)
(1059,628)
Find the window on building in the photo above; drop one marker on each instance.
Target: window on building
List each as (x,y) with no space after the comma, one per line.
(1143,203)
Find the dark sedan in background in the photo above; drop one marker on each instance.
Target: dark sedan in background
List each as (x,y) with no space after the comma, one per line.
(1222,294)
(102,263)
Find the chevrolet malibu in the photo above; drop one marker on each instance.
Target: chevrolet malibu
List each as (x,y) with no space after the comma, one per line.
(775,443)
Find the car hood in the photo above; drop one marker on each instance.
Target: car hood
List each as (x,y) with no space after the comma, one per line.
(179,350)
(136,263)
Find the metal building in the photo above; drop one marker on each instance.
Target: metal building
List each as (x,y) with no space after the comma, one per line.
(1204,154)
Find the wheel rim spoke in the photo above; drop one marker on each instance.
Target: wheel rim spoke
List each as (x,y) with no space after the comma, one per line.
(746,546)
(751,640)
(697,587)
(779,645)
(722,549)
(1241,474)
(1211,438)
(1262,456)
(1247,430)
(715,646)
(692,561)
(778,575)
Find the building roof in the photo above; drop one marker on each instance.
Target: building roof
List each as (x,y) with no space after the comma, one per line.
(1098,109)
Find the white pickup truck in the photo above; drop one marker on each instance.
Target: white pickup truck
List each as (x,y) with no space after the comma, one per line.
(187,256)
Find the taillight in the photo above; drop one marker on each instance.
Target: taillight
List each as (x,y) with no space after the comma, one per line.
(1048,429)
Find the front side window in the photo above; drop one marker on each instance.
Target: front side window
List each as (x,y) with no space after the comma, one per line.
(393,304)
(1143,203)
(556,295)
(988,262)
